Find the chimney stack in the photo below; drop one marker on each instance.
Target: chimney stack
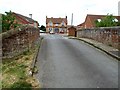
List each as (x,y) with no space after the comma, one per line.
(30,15)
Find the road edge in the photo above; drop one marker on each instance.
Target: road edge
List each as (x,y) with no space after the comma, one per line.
(108,53)
(35,57)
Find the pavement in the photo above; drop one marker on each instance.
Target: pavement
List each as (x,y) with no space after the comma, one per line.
(70,63)
(107,49)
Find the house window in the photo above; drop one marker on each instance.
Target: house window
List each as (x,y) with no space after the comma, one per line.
(56,30)
(62,23)
(50,29)
(50,23)
(56,24)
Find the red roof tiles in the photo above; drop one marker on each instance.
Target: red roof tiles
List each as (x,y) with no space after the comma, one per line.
(56,20)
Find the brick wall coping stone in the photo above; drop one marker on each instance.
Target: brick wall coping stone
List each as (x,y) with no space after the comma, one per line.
(97,28)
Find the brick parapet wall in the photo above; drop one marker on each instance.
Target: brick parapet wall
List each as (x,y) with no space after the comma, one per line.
(19,41)
(109,36)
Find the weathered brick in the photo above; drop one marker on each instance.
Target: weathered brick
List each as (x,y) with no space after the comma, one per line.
(20,41)
(109,36)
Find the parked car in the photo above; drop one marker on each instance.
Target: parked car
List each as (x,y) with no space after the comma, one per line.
(51,32)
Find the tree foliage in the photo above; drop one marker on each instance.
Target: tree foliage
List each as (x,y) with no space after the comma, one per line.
(107,21)
(8,21)
(43,28)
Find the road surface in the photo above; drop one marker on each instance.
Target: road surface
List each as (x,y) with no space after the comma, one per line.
(68,63)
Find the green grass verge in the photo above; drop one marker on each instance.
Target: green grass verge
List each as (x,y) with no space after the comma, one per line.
(15,71)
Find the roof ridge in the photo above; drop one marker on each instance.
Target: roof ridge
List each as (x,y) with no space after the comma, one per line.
(100,15)
(56,20)
(25,17)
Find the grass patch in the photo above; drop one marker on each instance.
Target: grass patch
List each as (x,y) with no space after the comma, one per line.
(21,85)
(0,75)
(15,71)
(27,52)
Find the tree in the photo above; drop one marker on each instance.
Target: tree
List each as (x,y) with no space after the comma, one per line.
(107,21)
(8,21)
(43,28)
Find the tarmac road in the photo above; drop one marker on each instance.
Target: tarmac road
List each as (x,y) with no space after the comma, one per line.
(68,63)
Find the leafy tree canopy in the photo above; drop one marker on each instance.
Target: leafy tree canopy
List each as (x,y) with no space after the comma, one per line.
(43,28)
(107,21)
(8,21)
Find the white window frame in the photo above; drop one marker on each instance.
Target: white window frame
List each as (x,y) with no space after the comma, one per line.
(50,23)
(63,23)
(56,24)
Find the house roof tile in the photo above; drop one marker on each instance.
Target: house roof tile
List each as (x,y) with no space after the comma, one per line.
(56,20)
(93,18)
(27,19)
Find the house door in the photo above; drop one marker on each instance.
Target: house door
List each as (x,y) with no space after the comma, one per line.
(56,30)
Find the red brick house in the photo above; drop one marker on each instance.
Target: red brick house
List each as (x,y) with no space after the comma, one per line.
(56,25)
(25,20)
(80,26)
(90,20)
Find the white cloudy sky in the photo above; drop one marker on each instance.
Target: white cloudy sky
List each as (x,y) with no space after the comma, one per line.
(60,8)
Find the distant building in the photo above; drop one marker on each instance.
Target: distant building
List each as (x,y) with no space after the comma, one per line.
(21,19)
(80,26)
(72,31)
(56,25)
(90,21)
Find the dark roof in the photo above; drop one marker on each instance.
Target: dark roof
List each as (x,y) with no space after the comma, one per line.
(27,19)
(56,20)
